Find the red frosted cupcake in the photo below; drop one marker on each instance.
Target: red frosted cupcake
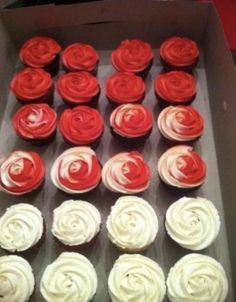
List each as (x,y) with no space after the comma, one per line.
(80,57)
(79,88)
(131,124)
(41,52)
(21,172)
(32,86)
(36,123)
(175,88)
(125,87)
(81,126)
(179,54)
(133,56)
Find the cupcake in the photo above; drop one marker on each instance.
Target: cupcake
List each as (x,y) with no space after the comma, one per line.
(125,87)
(32,86)
(41,52)
(195,278)
(21,172)
(193,223)
(17,279)
(21,227)
(76,170)
(178,53)
(71,277)
(180,124)
(133,56)
(76,222)
(126,173)
(136,278)
(81,126)
(80,57)
(181,167)
(79,88)
(131,124)
(36,123)
(175,88)
(132,224)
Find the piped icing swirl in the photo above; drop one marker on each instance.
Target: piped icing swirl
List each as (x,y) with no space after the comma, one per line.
(180,123)
(136,278)
(76,170)
(21,227)
(132,224)
(182,167)
(127,173)
(193,223)
(197,278)
(71,277)
(21,172)
(16,279)
(81,125)
(76,222)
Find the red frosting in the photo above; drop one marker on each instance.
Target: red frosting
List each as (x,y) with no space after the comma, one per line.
(179,52)
(81,125)
(175,87)
(80,57)
(132,56)
(125,88)
(37,121)
(38,52)
(78,87)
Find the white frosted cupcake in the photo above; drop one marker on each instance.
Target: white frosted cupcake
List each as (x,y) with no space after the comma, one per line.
(21,227)
(16,279)
(76,222)
(132,224)
(193,223)
(196,278)
(136,278)
(71,277)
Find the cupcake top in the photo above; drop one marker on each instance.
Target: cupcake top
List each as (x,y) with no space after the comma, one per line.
(132,224)
(80,57)
(182,167)
(30,84)
(76,222)
(127,173)
(136,278)
(179,51)
(132,56)
(71,277)
(21,172)
(76,170)
(195,278)
(17,279)
(21,227)
(193,223)
(37,121)
(78,87)
(180,123)
(125,87)
(175,87)
(81,125)
(131,120)
(38,52)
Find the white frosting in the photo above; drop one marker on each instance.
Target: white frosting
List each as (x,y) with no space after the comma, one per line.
(35,119)
(71,278)
(132,224)
(76,222)
(193,223)
(16,279)
(136,278)
(21,227)
(197,278)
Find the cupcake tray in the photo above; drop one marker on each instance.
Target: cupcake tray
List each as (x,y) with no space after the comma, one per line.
(104,25)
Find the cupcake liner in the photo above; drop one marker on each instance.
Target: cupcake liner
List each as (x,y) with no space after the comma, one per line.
(168,67)
(143,74)
(164,103)
(92,102)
